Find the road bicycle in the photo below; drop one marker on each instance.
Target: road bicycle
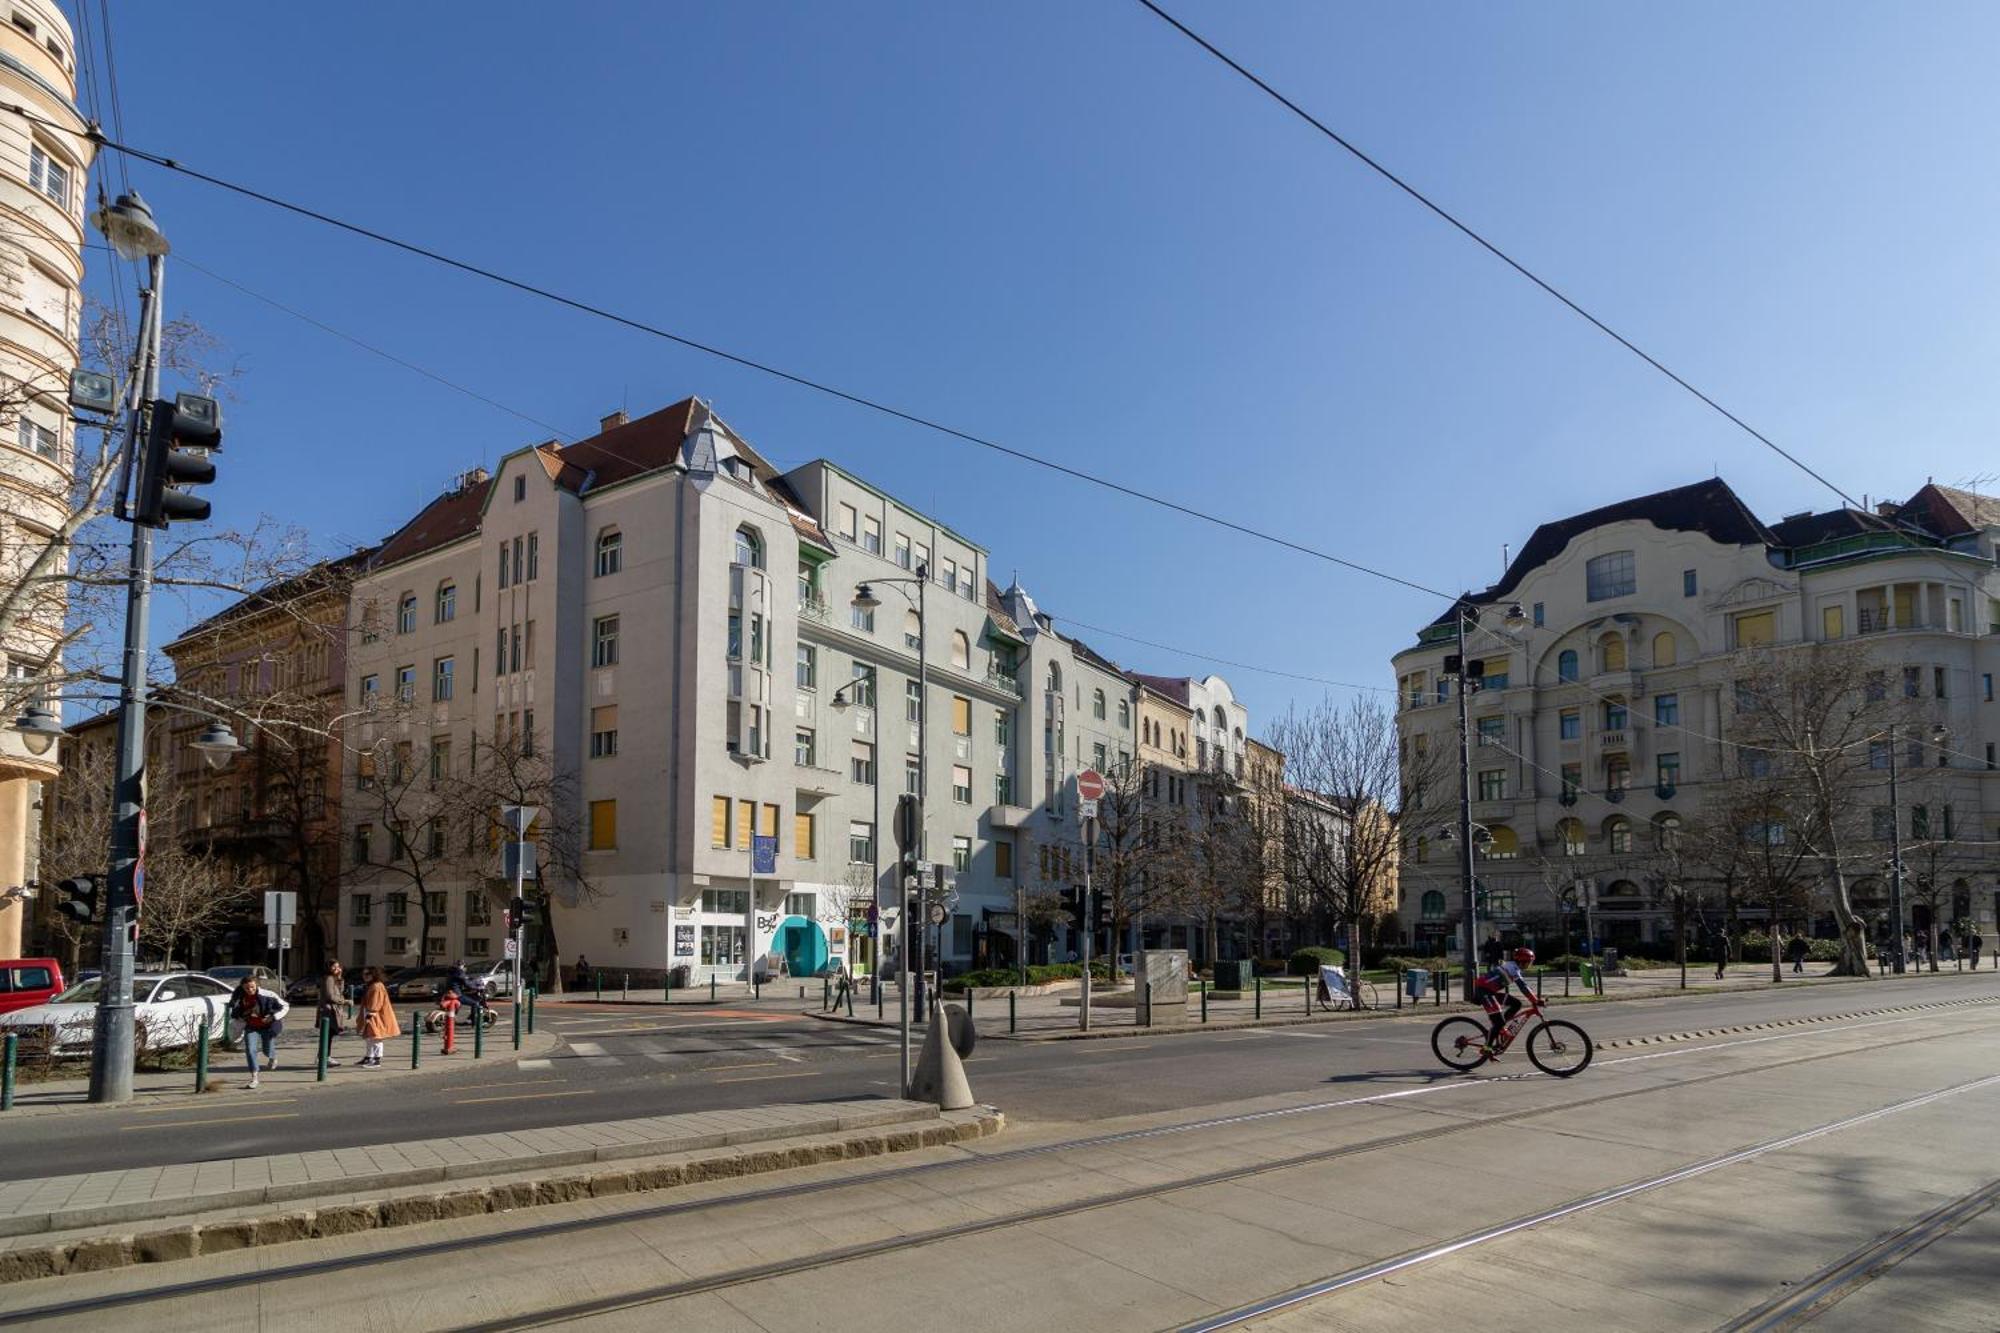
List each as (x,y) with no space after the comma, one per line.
(1330,999)
(1556,1047)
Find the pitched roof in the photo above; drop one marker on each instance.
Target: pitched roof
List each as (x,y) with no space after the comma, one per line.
(633,449)
(1803,530)
(1950,511)
(446,519)
(1170,687)
(997,610)
(322,577)
(1095,658)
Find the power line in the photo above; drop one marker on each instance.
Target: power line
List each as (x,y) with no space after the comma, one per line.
(750,363)
(1221,661)
(1492,249)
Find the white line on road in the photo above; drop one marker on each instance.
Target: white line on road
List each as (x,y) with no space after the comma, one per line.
(778,1051)
(592,1053)
(534,1064)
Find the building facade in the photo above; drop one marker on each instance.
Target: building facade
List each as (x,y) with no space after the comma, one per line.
(1597,726)
(42,172)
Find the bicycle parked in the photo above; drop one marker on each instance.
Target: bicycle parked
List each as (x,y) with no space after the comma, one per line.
(1333,989)
(1555,1045)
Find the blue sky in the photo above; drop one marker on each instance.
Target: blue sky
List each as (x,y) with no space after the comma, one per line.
(1063,226)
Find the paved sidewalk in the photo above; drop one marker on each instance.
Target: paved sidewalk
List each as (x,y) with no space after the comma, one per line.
(103,1198)
(228,1070)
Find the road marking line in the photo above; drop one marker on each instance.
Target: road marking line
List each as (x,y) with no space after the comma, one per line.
(755,1064)
(1120,1047)
(591,1053)
(534,1064)
(758,1078)
(523,1096)
(261,1101)
(793,1056)
(688,1026)
(219,1120)
(512,1083)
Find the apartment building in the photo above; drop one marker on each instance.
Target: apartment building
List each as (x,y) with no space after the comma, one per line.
(1596,727)
(675,634)
(43,163)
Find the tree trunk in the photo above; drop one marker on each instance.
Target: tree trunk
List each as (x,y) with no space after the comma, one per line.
(1853,960)
(1777,947)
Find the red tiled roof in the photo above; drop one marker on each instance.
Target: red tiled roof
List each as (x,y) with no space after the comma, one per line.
(997,609)
(442,521)
(645,445)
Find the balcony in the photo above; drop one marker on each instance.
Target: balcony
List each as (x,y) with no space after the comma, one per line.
(1000,680)
(816,610)
(1613,740)
(1008,816)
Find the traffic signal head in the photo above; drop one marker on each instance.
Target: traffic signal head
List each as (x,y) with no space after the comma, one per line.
(517,914)
(79,897)
(182,435)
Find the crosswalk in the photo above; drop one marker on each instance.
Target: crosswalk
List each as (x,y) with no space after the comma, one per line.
(693,1051)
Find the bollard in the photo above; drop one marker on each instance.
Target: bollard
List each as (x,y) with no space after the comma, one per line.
(325,1048)
(850,999)
(416,1037)
(711,988)
(1204,1004)
(1149,1004)
(1010,1011)
(517,1023)
(1566,981)
(600,983)
(802,992)
(200,1060)
(7,1072)
(1307,986)
(450,1029)
(1258,1012)
(825,993)
(625,991)
(667,985)
(479,1032)
(532,993)
(756,986)
(878,998)
(968,1004)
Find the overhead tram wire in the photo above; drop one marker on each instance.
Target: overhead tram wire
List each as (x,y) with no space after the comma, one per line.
(1478,239)
(822,387)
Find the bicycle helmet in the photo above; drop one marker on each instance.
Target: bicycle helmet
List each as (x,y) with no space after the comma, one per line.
(1524,956)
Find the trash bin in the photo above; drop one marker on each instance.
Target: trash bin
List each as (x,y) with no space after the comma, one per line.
(1415,981)
(680,976)
(1233,975)
(1589,973)
(1611,967)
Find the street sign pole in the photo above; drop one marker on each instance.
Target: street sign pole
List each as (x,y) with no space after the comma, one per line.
(1089,790)
(519,817)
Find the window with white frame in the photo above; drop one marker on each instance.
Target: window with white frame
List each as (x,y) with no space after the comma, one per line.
(49,175)
(610,552)
(604,641)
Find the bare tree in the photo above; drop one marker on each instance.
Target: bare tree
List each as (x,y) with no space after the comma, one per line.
(409,844)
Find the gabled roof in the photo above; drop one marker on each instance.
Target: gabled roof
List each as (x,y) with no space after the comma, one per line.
(644,445)
(1167,687)
(449,517)
(1949,511)
(996,612)
(1811,529)
(307,583)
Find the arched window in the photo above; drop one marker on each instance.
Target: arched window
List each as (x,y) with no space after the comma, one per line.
(1502,844)
(1566,664)
(1667,830)
(1618,834)
(961,650)
(1622,888)
(447,602)
(406,614)
(913,630)
(610,552)
(1422,850)
(1055,677)
(1097,704)
(1221,723)
(1570,833)
(1433,905)
(1124,712)
(1611,652)
(749,547)
(1665,650)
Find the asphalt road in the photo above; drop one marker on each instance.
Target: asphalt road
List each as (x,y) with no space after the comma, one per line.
(618,1062)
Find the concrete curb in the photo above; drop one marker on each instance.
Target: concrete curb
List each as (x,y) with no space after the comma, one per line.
(1696,1034)
(189,1240)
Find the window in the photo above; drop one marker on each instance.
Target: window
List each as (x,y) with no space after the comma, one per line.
(1937,683)
(406,614)
(1947,822)
(1992,762)
(948,572)
(1538,615)
(406,684)
(610,552)
(848,521)
(527,733)
(1125,714)
(1611,652)
(364,835)
(913,774)
(441,679)
(1572,780)
(440,759)
(749,548)
(961,853)
(961,786)
(861,763)
(1565,665)
(861,843)
(603,825)
(1614,715)
(505,566)
(1612,575)
(362,911)
(1054,683)
(1003,731)
(447,603)
(1492,730)
(913,701)
(604,731)
(1756,629)
(961,715)
(1920,821)
(871,535)
(604,642)
(913,630)
(399,909)
(371,688)
(1493,784)
(1617,773)
(902,550)
(1832,622)
(478,908)
(923,558)
(802,904)
(1913,682)
(1503,844)
(520,489)
(1689,584)
(746,823)
(804,844)
(1986,686)
(48,175)
(862,618)
(961,650)
(1618,833)
(1666,710)
(1666,650)
(805,747)
(1003,860)
(863,686)
(1668,772)
(37,438)
(718,821)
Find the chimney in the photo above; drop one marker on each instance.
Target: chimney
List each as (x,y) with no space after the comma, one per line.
(465,481)
(612,422)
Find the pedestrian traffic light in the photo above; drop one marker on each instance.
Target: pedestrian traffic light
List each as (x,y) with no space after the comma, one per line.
(79,897)
(182,435)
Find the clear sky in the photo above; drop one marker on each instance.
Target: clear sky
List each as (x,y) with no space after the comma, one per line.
(1063,226)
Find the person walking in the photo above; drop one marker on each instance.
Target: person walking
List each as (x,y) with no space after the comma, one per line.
(1972,943)
(1797,950)
(582,973)
(1720,943)
(378,1018)
(262,1015)
(332,1011)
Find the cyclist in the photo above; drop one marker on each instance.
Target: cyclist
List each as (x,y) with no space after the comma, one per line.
(1494,989)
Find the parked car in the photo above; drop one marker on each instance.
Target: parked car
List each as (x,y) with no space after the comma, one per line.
(169,1010)
(496,978)
(26,981)
(416,983)
(232,975)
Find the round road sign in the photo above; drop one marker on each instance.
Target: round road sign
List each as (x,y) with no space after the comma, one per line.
(1089,785)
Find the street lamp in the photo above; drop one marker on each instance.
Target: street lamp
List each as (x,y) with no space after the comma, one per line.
(1895,865)
(39,728)
(217,745)
(129,226)
(1465,613)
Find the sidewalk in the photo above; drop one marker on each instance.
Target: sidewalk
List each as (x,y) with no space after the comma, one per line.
(228,1070)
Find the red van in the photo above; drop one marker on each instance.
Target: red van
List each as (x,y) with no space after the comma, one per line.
(28,981)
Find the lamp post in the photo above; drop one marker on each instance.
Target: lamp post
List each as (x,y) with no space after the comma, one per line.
(840,702)
(1900,962)
(1464,614)
(912,927)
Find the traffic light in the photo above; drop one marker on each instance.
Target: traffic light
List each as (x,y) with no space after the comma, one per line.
(79,897)
(905,826)
(181,436)
(1101,911)
(517,914)
(1072,902)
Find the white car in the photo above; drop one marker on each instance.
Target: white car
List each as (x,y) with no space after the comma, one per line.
(169,1010)
(495,979)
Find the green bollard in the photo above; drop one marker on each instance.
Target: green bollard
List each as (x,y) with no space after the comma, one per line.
(479,1032)
(416,1037)
(711,988)
(825,993)
(325,1049)
(1149,1004)
(850,998)
(600,983)
(1010,1011)
(1204,1004)
(968,1004)
(200,1060)
(1307,986)
(756,985)
(517,1022)
(667,984)
(7,1072)
(1258,1012)
(532,993)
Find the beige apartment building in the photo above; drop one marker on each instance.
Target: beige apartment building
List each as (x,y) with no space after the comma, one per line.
(42,173)
(1598,725)
(669,627)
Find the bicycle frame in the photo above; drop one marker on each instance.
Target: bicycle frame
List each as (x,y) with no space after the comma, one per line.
(1531,1010)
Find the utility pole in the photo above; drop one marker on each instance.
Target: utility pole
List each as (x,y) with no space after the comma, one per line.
(1895,861)
(1469,906)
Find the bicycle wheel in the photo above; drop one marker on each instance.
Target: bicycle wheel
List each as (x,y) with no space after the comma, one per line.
(1559,1048)
(1457,1042)
(1370,997)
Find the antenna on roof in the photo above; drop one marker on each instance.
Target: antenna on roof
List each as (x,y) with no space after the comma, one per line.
(1503,560)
